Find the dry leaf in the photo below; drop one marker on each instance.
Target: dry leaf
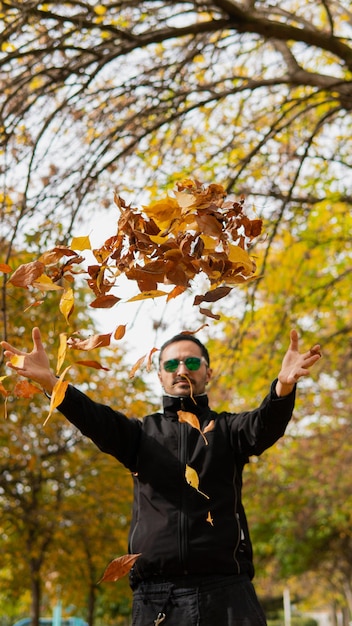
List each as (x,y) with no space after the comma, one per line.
(81,243)
(119,567)
(58,394)
(67,304)
(61,355)
(17,361)
(185,417)
(120,332)
(94,364)
(96,341)
(25,389)
(136,366)
(193,480)
(104,302)
(210,519)
(209,427)
(26,274)
(5,268)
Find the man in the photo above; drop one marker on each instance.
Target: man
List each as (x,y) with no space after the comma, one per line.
(195,565)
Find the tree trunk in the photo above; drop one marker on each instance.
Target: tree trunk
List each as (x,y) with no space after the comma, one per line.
(91,604)
(36,597)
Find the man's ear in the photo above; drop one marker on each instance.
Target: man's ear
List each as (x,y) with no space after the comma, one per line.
(209,374)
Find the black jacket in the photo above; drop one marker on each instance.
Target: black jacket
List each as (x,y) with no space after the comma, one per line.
(178,529)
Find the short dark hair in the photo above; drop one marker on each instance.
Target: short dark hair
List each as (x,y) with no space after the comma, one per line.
(186,337)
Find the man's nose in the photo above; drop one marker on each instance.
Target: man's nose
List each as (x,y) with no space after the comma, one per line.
(182,369)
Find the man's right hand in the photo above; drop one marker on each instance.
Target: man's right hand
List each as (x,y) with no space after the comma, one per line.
(34,365)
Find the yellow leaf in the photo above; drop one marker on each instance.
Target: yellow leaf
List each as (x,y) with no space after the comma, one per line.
(81,243)
(186,417)
(67,303)
(154,293)
(193,479)
(238,255)
(61,352)
(44,283)
(58,393)
(17,361)
(210,519)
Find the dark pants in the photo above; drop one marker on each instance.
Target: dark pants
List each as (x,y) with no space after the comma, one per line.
(198,601)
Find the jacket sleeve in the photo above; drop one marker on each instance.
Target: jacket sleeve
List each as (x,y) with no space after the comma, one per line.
(110,430)
(252,432)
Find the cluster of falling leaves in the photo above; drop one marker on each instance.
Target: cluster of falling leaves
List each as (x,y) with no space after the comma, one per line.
(120,566)
(168,243)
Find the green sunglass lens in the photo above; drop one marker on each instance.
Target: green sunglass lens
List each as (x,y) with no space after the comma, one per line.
(192,363)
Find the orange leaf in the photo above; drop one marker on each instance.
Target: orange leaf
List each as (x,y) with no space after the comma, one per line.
(119,567)
(25,389)
(175,292)
(149,358)
(120,332)
(136,366)
(104,302)
(26,274)
(193,332)
(6,269)
(210,519)
(94,364)
(185,417)
(209,427)
(3,391)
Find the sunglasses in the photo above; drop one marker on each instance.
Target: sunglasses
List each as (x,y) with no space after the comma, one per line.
(192,363)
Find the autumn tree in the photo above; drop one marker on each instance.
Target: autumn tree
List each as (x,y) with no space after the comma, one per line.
(65,510)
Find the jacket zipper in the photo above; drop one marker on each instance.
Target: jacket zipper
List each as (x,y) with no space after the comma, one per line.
(183,527)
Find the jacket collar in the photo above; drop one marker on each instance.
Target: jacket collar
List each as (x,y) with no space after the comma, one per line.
(199,407)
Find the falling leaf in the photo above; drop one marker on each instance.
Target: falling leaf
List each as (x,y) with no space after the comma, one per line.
(105,302)
(25,389)
(27,273)
(3,391)
(213,295)
(209,427)
(119,567)
(93,364)
(210,519)
(209,313)
(185,417)
(58,394)
(154,293)
(67,304)
(5,268)
(61,355)
(193,479)
(44,283)
(120,332)
(136,366)
(194,332)
(81,243)
(176,291)
(96,341)
(17,361)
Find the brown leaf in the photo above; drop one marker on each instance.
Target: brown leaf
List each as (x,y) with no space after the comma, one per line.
(26,274)
(119,567)
(94,364)
(213,295)
(104,302)
(208,313)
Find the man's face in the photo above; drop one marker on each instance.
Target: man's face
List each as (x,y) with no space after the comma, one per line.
(183,381)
